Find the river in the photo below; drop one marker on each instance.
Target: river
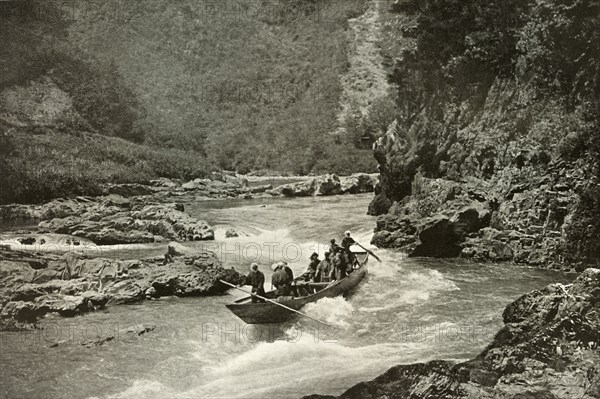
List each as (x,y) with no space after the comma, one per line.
(408,310)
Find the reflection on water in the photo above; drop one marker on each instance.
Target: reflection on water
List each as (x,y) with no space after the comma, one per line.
(407,310)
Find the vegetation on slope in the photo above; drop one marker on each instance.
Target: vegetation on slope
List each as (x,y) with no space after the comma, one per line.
(246,86)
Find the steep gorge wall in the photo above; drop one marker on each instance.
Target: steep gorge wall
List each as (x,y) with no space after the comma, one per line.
(496,169)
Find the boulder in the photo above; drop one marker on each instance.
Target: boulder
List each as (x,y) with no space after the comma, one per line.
(61,208)
(193,185)
(315,186)
(73,284)
(437,238)
(64,305)
(231,233)
(380,205)
(111,236)
(262,188)
(22,311)
(358,183)
(142,225)
(327,185)
(465,221)
(301,189)
(27,240)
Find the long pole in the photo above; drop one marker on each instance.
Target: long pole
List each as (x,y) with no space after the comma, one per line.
(369,251)
(276,303)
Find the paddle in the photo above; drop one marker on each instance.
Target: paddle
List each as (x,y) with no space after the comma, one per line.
(276,303)
(369,251)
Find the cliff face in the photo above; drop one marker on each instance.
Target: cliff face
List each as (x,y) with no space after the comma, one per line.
(548,348)
(487,159)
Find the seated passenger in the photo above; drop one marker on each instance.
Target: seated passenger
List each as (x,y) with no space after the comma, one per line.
(324,270)
(281,280)
(333,247)
(339,264)
(309,274)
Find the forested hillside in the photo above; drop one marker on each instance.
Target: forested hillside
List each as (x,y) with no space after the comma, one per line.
(495,150)
(118,91)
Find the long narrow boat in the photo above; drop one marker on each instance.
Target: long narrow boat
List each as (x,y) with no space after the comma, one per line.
(266,312)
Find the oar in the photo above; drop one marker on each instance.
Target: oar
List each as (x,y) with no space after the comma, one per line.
(369,251)
(243,299)
(276,303)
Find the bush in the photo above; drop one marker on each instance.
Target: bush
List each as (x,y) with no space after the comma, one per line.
(39,168)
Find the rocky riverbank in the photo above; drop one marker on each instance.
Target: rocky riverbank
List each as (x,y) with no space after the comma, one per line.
(36,281)
(35,285)
(486,220)
(523,205)
(549,348)
(134,213)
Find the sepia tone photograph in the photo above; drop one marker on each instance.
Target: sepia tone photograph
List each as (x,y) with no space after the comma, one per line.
(303,199)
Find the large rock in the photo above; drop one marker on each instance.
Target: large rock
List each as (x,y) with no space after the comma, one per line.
(380,205)
(358,183)
(437,238)
(439,235)
(328,185)
(142,225)
(73,284)
(548,348)
(300,189)
(64,305)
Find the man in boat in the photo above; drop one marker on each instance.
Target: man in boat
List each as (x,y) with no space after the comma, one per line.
(256,279)
(284,265)
(281,280)
(333,247)
(310,273)
(339,264)
(324,270)
(347,242)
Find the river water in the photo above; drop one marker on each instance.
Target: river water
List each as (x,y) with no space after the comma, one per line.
(408,310)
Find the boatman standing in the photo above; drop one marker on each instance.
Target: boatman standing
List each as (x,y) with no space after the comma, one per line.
(256,279)
(347,242)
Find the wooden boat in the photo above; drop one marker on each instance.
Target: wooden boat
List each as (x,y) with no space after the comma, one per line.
(266,312)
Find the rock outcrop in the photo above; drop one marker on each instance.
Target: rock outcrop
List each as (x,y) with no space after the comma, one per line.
(328,185)
(32,286)
(487,220)
(548,348)
(106,223)
(506,140)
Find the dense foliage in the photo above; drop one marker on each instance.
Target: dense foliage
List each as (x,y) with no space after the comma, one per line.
(246,86)
(250,85)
